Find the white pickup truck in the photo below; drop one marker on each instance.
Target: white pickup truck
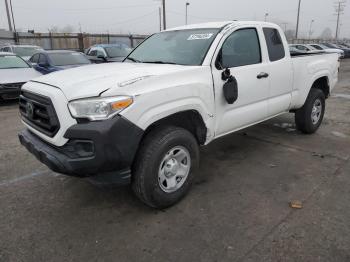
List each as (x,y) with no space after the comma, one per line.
(142,121)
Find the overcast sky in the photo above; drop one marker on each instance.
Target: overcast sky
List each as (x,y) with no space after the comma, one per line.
(141,16)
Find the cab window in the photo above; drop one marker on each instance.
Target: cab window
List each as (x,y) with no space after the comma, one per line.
(274,44)
(241,48)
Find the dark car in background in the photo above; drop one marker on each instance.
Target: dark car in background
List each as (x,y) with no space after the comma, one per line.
(345,49)
(105,53)
(50,61)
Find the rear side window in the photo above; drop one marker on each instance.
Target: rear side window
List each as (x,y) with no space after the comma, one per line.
(42,59)
(274,44)
(35,58)
(93,53)
(241,48)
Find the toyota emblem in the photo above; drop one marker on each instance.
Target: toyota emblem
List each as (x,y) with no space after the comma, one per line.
(30,110)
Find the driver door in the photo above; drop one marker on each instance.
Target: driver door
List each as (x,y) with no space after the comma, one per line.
(241,53)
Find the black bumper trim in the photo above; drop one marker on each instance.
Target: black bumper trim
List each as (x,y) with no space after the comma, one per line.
(9,93)
(115,144)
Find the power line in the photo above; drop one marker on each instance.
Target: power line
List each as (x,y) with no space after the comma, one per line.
(87,8)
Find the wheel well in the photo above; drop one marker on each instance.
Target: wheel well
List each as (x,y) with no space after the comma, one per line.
(190,120)
(322,84)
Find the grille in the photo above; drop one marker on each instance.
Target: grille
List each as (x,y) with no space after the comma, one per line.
(13,85)
(39,112)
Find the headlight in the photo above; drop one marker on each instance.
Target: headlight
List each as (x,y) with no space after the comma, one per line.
(99,108)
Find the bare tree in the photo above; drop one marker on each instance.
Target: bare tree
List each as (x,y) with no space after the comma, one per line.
(67,29)
(290,34)
(326,33)
(54,29)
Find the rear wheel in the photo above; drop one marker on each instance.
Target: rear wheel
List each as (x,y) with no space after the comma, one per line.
(165,165)
(309,118)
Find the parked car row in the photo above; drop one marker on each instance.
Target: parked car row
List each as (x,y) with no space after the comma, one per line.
(342,49)
(14,72)
(24,51)
(107,53)
(21,63)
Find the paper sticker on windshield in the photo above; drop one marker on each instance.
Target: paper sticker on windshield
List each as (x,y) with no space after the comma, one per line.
(199,36)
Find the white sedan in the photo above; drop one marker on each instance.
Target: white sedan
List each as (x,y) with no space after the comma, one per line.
(327,49)
(14,72)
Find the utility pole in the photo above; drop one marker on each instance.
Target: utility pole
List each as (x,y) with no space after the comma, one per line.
(298,17)
(339,9)
(310,30)
(13,22)
(285,26)
(8,15)
(164,17)
(160,19)
(187,4)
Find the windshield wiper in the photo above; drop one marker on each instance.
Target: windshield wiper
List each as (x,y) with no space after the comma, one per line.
(133,59)
(160,62)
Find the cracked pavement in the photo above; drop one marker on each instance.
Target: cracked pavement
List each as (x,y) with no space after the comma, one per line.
(237,209)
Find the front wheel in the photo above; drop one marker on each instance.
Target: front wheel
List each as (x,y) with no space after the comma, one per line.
(165,165)
(309,118)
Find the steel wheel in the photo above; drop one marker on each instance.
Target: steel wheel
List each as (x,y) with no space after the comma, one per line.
(316,111)
(174,169)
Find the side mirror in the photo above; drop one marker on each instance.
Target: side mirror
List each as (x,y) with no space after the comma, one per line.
(231,89)
(43,64)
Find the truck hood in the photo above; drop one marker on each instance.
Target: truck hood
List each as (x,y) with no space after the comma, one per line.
(17,75)
(92,80)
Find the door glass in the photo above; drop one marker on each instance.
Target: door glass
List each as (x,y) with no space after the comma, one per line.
(274,44)
(241,48)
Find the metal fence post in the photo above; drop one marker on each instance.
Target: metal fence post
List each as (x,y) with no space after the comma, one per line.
(51,41)
(81,42)
(131,41)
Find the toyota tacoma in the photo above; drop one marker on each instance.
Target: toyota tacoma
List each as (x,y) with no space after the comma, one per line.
(142,121)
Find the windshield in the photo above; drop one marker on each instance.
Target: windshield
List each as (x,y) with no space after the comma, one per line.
(117,51)
(317,47)
(25,51)
(7,62)
(185,47)
(63,59)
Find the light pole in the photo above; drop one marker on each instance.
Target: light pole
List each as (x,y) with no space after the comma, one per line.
(266,15)
(164,18)
(187,4)
(8,15)
(160,19)
(310,30)
(298,17)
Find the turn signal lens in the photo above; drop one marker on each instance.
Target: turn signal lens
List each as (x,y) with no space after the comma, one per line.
(118,105)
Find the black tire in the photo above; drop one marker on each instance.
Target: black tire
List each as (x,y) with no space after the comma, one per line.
(153,149)
(303,116)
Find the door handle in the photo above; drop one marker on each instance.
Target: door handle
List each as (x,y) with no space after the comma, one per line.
(262,75)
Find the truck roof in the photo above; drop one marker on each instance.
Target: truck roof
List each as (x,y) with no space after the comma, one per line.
(220,25)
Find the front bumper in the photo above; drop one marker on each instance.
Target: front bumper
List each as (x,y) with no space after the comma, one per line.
(93,148)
